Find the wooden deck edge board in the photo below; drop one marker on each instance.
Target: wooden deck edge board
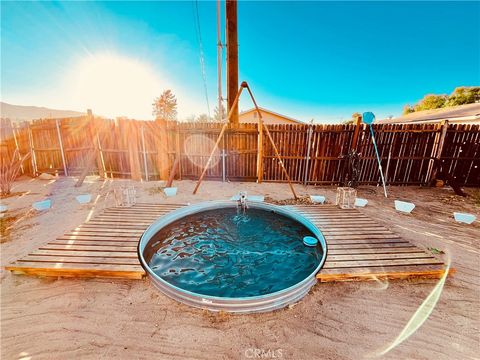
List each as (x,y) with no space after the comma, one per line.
(381,275)
(78,267)
(72,273)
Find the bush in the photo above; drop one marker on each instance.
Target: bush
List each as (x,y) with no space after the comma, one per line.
(9,171)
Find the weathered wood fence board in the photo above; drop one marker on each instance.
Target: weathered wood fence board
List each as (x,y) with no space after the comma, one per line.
(312,153)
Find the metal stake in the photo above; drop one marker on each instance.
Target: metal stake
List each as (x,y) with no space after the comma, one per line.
(379,162)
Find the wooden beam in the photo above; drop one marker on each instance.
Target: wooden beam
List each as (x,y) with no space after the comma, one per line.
(260,136)
(232,59)
(94,155)
(220,136)
(224,127)
(173,171)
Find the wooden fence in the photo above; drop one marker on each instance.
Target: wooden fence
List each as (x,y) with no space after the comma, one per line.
(312,154)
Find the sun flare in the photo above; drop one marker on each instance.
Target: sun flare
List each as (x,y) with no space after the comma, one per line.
(114,85)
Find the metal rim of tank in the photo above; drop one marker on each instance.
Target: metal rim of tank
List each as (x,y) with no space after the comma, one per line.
(262,303)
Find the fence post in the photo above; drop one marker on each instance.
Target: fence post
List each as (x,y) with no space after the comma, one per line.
(438,153)
(93,128)
(32,151)
(356,132)
(163,151)
(260,150)
(13,126)
(131,136)
(224,154)
(60,142)
(309,146)
(177,148)
(102,172)
(144,151)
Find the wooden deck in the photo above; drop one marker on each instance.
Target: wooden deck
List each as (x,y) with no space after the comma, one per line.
(106,246)
(358,248)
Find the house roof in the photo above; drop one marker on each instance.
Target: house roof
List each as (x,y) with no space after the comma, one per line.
(461,113)
(272,113)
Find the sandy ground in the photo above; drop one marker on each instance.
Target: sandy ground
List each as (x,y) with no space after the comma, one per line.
(59,318)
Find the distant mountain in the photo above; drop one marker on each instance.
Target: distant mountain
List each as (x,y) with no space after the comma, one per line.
(26,113)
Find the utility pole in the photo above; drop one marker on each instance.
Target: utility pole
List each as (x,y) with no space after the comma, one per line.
(232,59)
(219,62)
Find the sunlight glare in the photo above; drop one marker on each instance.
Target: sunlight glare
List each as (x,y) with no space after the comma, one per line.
(114,85)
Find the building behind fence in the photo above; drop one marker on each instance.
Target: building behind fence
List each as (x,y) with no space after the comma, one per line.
(312,153)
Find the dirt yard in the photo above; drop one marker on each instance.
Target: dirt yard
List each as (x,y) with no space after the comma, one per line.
(60,318)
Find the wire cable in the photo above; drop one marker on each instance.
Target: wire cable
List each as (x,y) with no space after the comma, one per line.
(198,32)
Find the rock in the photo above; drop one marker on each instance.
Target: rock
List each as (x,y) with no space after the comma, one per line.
(45,176)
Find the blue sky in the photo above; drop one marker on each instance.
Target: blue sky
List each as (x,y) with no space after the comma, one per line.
(321,60)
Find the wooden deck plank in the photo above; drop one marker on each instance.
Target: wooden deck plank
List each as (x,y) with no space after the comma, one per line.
(361,237)
(353,242)
(105,237)
(80,260)
(112,254)
(94,243)
(110,230)
(115,224)
(383,245)
(391,250)
(106,246)
(84,247)
(100,233)
(380,263)
(376,256)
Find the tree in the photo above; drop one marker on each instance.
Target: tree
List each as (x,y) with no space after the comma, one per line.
(219,115)
(353,120)
(407,109)
(165,106)
(460,96)
(190,118)
(464,95)
(431,101)
(203,118)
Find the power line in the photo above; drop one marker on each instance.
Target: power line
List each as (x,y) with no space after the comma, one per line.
(202,57)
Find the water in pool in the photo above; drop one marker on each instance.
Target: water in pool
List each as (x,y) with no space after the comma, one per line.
(230,254)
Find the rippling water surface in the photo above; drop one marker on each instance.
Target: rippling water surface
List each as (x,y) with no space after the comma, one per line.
(229,254)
